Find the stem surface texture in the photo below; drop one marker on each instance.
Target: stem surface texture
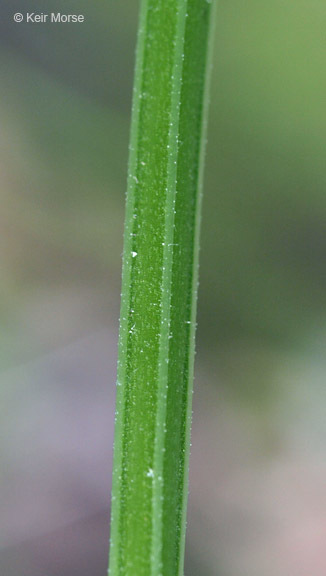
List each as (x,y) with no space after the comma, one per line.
(159,290)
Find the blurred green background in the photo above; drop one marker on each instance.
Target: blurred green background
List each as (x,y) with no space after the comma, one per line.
(258,468)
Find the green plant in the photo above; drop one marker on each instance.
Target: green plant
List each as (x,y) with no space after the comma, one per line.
(159,287)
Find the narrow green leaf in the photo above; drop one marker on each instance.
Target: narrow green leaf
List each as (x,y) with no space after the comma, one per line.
(159,286)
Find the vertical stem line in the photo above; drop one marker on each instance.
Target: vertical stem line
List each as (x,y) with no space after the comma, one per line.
(157,325)
(167,279)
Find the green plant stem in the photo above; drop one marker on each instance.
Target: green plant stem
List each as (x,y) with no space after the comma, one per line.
(159,288)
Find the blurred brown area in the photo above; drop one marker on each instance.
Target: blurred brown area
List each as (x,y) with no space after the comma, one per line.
(257,500)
